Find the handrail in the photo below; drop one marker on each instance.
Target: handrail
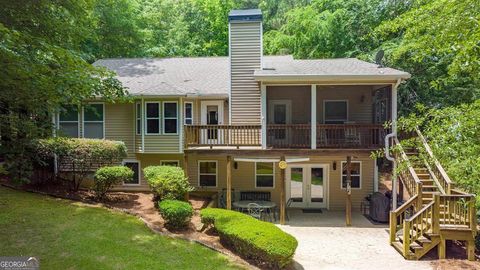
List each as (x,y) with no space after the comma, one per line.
(398,215)
(414,187)
(439,167)
(410,219)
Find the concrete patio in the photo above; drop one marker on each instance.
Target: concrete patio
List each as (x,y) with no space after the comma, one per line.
(324,242)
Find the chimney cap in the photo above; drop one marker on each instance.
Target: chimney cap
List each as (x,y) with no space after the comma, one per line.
(245,15)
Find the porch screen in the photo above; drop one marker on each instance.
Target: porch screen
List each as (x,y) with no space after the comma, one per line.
(335,111)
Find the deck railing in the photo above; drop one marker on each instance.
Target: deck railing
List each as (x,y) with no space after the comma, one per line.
(287,136)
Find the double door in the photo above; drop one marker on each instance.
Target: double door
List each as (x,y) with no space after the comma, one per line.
(307,185)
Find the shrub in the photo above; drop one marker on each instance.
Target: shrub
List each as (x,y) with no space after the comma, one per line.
(177,214)
(167,182)
(253,239)
(81,156)
(106,177)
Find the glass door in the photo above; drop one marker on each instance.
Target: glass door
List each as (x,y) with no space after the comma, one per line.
(297,186)
(307,186)
(316,184)
(211,116)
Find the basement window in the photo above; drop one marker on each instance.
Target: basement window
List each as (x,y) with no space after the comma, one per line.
(135,166)
(207,173)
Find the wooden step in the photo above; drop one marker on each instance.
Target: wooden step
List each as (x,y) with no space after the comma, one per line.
(399,247)
(429,186)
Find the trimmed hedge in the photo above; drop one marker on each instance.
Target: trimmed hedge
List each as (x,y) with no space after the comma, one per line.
(260,241)
(106,177)
(167,182)
(177,214)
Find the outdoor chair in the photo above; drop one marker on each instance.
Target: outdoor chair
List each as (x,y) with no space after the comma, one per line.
(255,210)
(222,198)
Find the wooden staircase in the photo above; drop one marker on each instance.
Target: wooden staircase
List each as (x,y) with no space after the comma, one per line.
(435,211)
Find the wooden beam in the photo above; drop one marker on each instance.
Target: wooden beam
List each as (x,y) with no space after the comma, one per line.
(282,193)
(348,203)
(229,182)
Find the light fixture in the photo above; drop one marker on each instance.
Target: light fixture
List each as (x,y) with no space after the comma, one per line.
(334,166)
(235,165)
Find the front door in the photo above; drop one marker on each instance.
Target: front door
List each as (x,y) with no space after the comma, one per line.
(307,185)
(279,114)
(212,116)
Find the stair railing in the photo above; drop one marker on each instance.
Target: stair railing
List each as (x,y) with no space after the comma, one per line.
(409,177)
(459,210)
(400,214)
(436,170)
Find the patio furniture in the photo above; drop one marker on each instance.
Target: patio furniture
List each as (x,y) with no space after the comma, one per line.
(255,196)
(267,206)
(255,210)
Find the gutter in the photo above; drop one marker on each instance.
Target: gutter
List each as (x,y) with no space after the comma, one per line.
(387,143)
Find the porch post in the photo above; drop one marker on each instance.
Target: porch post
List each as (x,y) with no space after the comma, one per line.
(348,210)
(282,193)
(185,169)
(313,117)
(229,182)
(263,98)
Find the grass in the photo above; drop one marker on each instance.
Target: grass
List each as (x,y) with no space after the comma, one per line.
(67,235)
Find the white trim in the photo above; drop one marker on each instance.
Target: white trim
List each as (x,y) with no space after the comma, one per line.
(263,98)
(103,118)
(216,173)
(171,160)
(306,170)
(159,118)
(360,174)
(335,100)
(185,112)
(313,116)
(181,124)
(273,174)
(328,78)
(139,171)
(271,109)
(143,126)
(203,111)
(288,160)
(229,74)
(138,117)
(169,118)
(57,126)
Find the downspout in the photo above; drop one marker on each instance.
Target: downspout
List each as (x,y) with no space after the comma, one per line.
(142,118)
(393,134)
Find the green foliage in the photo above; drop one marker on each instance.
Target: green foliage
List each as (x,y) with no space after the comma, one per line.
(106,177)
(177,214)
(260,241)
(82,156)
(454,136)
(167,182)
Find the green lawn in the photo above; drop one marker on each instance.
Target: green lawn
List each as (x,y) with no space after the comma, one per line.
(66,235)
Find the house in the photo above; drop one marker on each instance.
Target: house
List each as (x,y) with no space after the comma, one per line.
(250,122)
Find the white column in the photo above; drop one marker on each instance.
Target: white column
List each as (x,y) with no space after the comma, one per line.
(313,117)
(263,92)
(142,120)
(180,123)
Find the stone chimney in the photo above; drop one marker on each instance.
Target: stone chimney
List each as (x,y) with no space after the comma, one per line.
(245,52)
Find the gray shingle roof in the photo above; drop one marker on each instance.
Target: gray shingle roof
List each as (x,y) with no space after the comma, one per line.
(326,67)
(209,76)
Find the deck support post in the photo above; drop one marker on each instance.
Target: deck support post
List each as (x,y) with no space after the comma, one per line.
(442,248)
(185,170)
(282,193)
(348,203)
(229,182)
(471,250)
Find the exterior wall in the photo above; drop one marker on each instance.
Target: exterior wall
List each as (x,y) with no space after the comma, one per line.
(245,57)
(300,101)
(358,111)
(120,125)
(197,110)
(243,178)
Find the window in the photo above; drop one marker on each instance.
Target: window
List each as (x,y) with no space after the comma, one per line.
(152,117)
(68,121)
(355,171)
(138,117)
(188,113)
(93,121)
(207,173)
(335,111)
(174,163)
(264,174)
(135,166)
(170,114)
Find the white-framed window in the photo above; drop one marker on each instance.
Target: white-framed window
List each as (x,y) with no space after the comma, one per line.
(355,172)
(174,163)
(68,124)
(207,173)
(264,174)
(188,113)
(170,117)
(135,166)
(138,118)
(335,111)
(94,121)
(152,118)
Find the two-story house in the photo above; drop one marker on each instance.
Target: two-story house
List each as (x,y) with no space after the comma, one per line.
(230,120)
